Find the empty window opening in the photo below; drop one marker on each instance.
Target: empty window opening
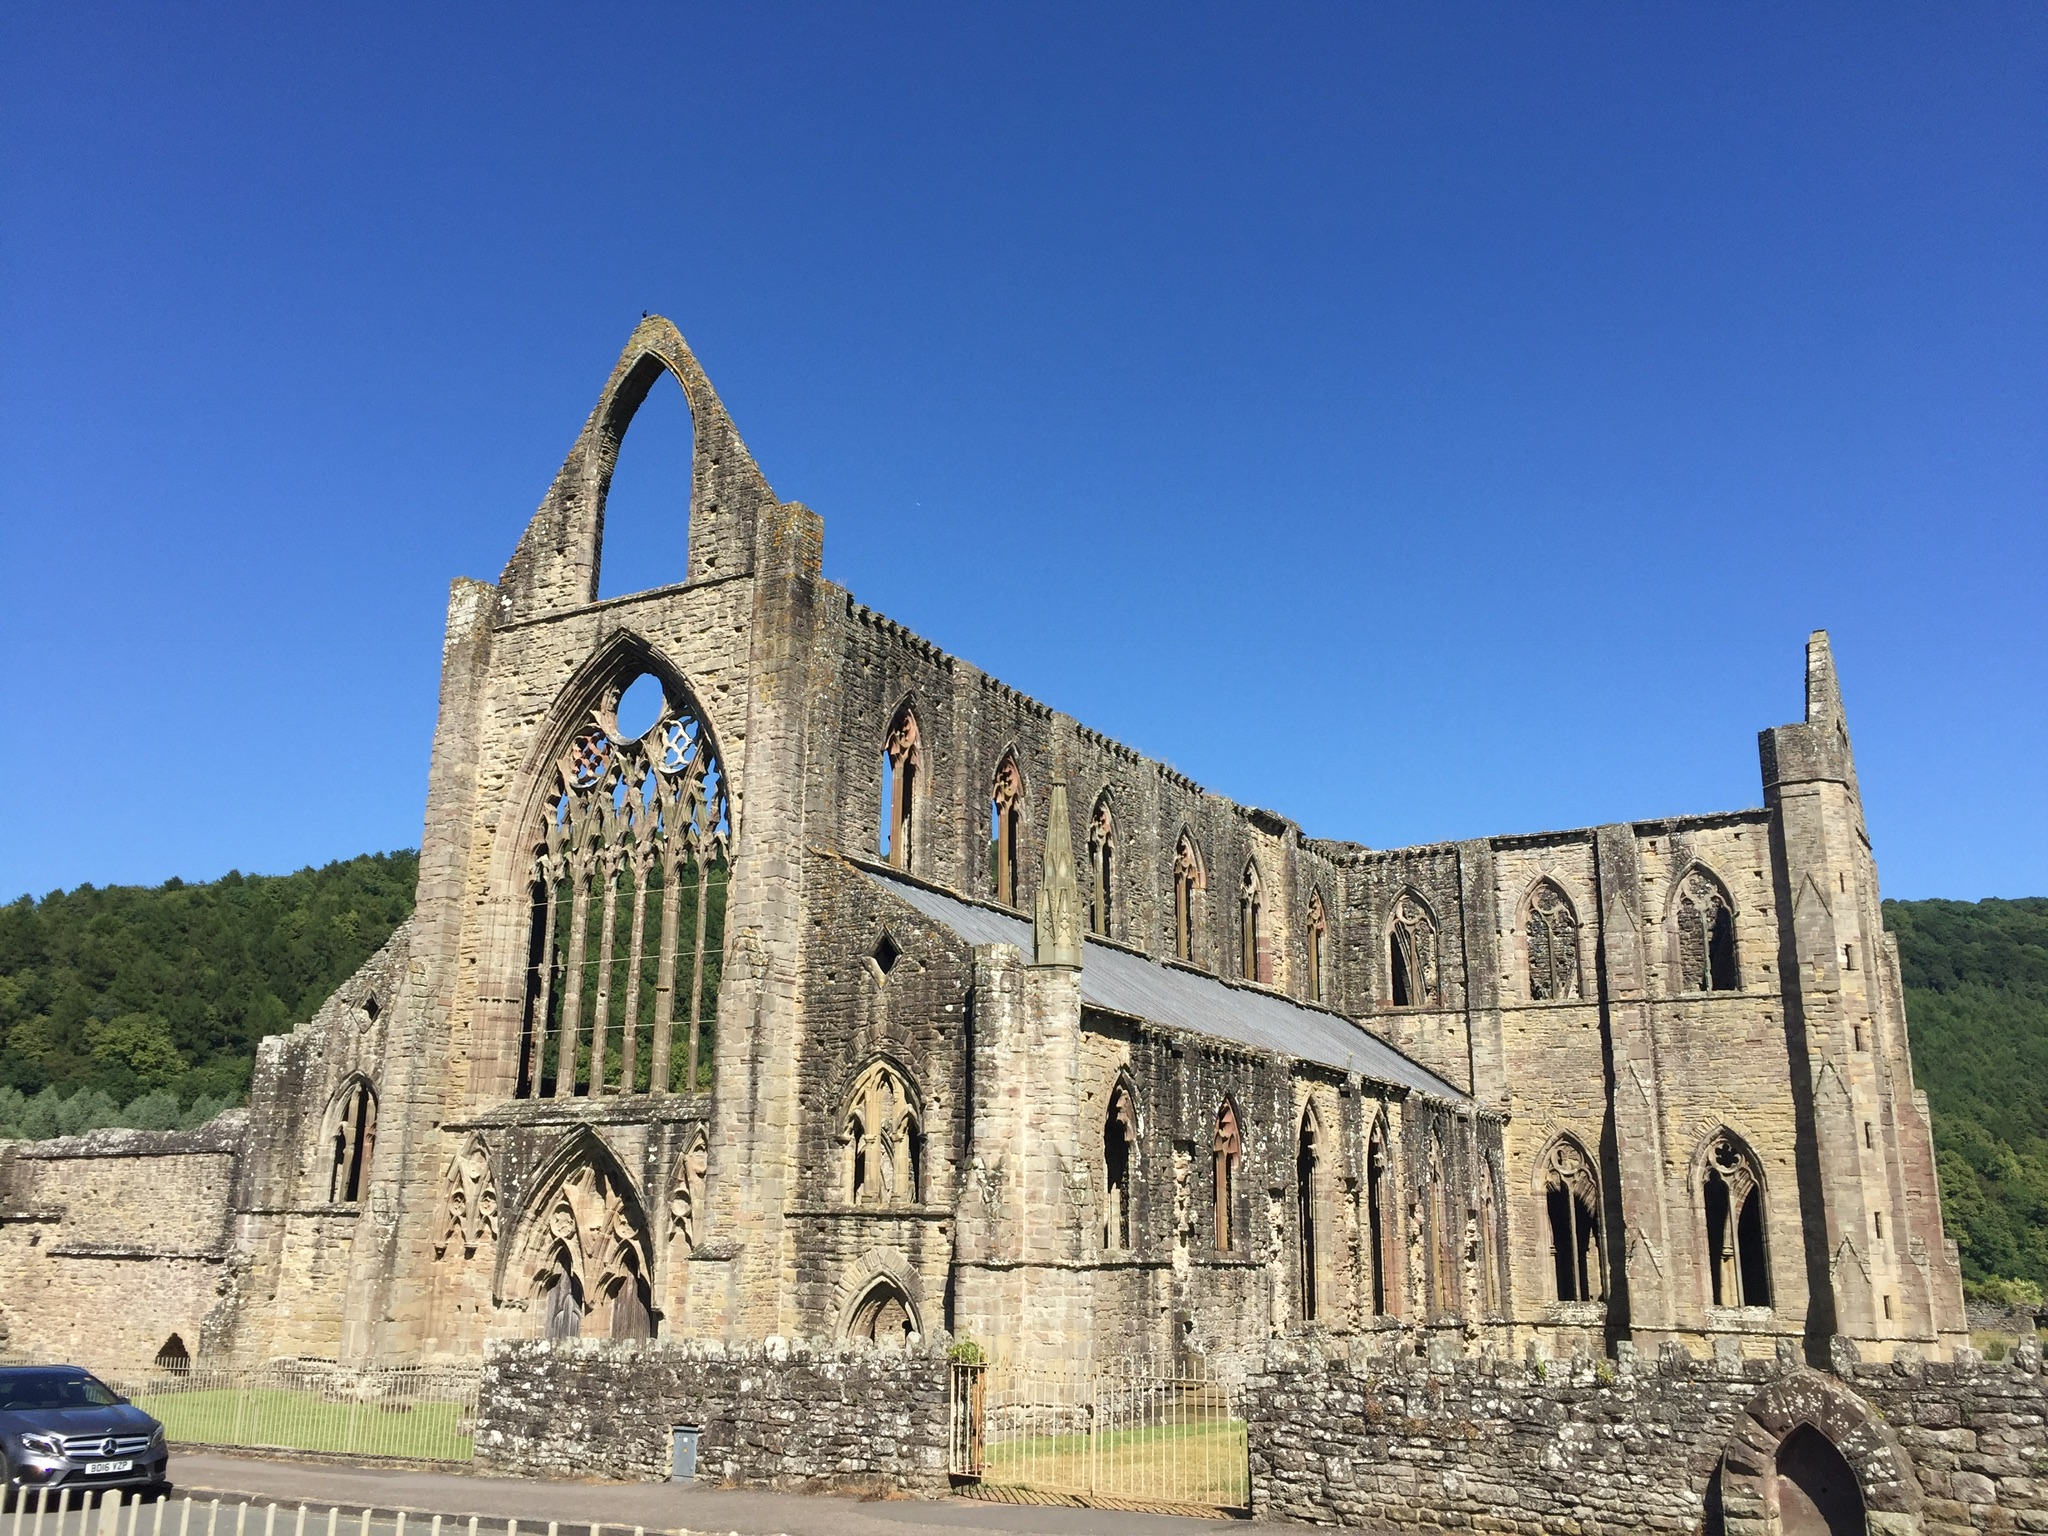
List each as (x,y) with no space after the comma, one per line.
(1305,1157)
(1551,930)
(1119,1139)
(902,764)
(1571,1198)
(1101,867)
(1887,1306)
(1228,1149)
(1848,957)
(1317,947)
(371,1008)
(1411,955)
(1856,1031)
(355,1139)
(174,1356)
(1375,1217)
(1869,1135)
(1188,881)
(1818,1494)
(1253,961)
(630,867)
(1877,1223)
(645,520)
(1005,822)
(1732,1192)
(641,706)
(1706,936)
(884,1316)
(886,954)
(883,1134)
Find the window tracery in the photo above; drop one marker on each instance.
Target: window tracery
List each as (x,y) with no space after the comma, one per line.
(593,1270)
(1005,822)
(1739,1270)
(1317,947)
(902,764)
(355,1140)
(883,1134)
(1571,1199)
(1119,1143)
(1254,964)
(469,1214)
(630,826)
(1706,935)
(1101,866)
(1551,929)
(1224,1156)
(1188,880)
(1411,955)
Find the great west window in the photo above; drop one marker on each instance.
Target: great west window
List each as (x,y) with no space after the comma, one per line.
(629,877)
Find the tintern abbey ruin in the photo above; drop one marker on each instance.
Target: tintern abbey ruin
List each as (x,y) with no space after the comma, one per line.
(860,996)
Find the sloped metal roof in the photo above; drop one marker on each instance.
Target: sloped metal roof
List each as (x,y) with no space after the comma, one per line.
(1121,982)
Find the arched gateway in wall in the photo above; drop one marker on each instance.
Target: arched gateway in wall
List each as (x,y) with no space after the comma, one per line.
(1808,1457)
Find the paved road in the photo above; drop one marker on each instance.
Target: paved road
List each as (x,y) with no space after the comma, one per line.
(657,1506)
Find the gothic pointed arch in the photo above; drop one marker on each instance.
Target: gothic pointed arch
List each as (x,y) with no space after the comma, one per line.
(1701,924)
(1190,879)
(1006,827)
(1730,1199)
(555,566)
(1102,866)
(881,1137)
(1568,1184)
(621,858)
(469,1201)
(1255,960)
(882,1302)
(1316,947)
(1378,1215)
(903,782)
(1550,944)
(1814,1459)
(580,1248)
(1413,977)
(1120,1140)
(1312,1177)
(1226,1155)
(349,1138)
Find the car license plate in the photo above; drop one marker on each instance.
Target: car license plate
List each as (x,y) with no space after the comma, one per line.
(101,1468)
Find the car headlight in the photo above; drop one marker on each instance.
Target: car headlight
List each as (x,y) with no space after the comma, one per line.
(46,1445)
(156,1437)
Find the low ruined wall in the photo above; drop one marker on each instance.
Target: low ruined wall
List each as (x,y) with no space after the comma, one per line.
(1681,1445)
(787,1417)
(112,1241)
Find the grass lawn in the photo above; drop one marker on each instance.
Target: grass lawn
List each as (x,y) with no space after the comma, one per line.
(283,1419)
(1201,1462)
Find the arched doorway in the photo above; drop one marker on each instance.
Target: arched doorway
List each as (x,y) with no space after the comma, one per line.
(884,1316)
(1818,1494)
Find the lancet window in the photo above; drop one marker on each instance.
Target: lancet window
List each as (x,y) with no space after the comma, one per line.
(1005,828)
(1376,1216)
(902,765)
(883,1137)
(1254,964)
(1317,947)
(1101,867)
(1188,881)
(1732,1196)
(1224,1159)
(1551,929)
(1307,1157)
(1706,936)
(1119,1143)
(630,876)
(1411,955)
(1571,1201)
(355,1139)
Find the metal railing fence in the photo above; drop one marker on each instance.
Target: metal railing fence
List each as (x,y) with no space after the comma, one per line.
(82,1511)
(419,1413)
(1126,1430)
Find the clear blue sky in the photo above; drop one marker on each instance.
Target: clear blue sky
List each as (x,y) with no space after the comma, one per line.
(1426,422)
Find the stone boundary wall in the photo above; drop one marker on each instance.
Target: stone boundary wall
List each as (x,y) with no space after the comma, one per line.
(791,1416)
(1682,1446)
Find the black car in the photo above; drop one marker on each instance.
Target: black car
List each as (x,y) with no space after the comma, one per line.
(62,1427)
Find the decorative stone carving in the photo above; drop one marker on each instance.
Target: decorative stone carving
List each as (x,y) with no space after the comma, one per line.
(470,1201)
(686,1200)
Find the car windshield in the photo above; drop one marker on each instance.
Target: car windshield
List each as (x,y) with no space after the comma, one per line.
(52,1389)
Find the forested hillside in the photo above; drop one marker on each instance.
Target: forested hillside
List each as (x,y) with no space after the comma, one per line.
(130,1006)
(1976,978)
(127,1006)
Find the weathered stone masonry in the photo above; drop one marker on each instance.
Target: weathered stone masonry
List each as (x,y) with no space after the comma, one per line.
(1001,1028)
